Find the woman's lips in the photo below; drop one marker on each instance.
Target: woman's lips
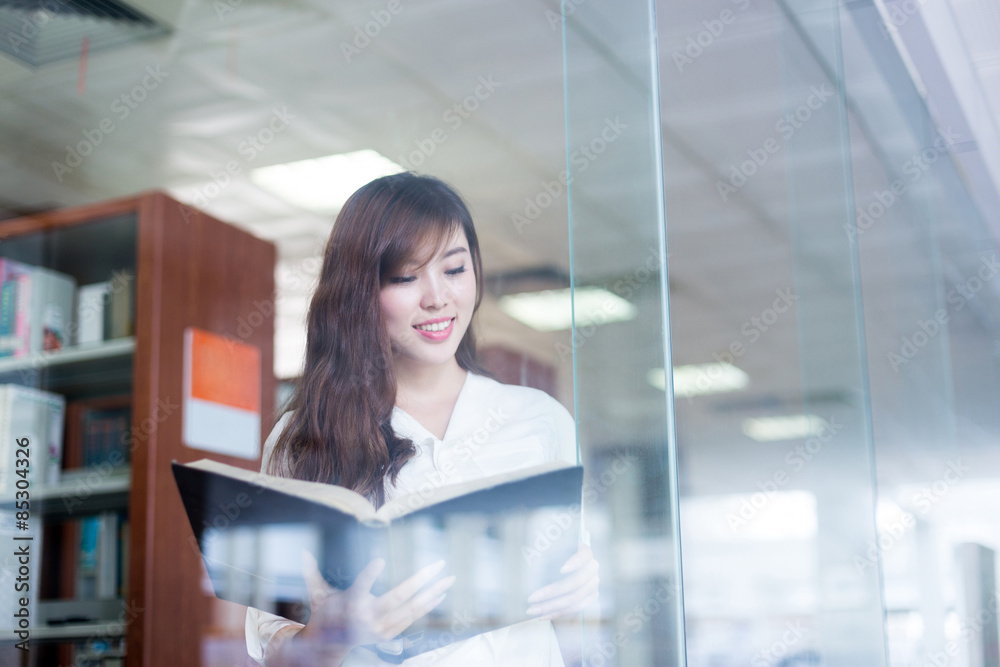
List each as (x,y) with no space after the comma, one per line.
(437,335)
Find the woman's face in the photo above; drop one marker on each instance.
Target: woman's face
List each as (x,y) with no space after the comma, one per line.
(428,310)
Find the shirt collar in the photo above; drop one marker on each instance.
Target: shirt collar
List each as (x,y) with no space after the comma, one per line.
(406,426)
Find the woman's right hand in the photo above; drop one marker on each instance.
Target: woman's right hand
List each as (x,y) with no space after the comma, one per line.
(340,621)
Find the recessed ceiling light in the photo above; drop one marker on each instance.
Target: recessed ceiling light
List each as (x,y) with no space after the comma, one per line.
(769,429)
(701,379)
(323,184)
(552,310)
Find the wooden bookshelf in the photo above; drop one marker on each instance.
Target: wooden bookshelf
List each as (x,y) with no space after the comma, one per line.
(190,270)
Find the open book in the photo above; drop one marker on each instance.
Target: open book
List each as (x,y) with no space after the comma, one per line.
(503,537)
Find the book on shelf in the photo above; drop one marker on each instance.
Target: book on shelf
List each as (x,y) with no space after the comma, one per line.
(15,301)
(51,311)
(92,313)
(99,556)
(36,416)
(502,537)
(36,309)
(105,437)
(98,433)
(121,320)
(37,312)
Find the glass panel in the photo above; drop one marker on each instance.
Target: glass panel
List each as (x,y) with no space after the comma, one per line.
(774,445)
(621,336)
(928,264)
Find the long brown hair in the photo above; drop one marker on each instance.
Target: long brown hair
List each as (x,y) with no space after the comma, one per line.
(340,431)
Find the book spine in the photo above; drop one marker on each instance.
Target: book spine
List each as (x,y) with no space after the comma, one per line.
(90,315)
(52,310)
(121,321)
(123,552)
(107,557)
(86,558)
(22,316)
(54,438)
(8,309)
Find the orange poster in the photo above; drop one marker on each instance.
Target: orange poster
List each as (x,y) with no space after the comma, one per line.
(221,394)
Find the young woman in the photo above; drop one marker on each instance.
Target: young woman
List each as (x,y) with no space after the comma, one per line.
(390,393)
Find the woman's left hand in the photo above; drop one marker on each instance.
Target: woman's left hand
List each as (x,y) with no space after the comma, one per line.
(572,593)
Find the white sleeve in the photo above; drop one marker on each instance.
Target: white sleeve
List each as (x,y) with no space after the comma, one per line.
(262,626)
(260,629)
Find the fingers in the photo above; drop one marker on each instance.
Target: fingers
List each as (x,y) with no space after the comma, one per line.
(572,608)
(568,595)
(408,588)
(577,560)
(399,618)
(567,584)
(568,603)
(366,578)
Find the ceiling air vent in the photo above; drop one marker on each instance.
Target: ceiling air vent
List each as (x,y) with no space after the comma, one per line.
(39,32)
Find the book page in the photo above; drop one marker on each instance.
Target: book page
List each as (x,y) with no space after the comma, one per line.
(412,502)
(330,495)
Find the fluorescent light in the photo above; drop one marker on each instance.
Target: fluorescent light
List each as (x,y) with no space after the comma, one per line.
(701,379)
(323,184)
(768,429)
(550,310)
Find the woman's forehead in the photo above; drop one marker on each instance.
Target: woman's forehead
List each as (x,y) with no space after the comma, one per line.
(434,245)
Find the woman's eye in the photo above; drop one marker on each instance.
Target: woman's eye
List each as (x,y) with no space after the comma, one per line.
(455,272)
(401,280)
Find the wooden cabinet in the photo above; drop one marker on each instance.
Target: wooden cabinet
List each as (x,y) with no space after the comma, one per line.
(190,270)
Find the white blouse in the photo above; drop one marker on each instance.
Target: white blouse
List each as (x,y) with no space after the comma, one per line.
(494,428)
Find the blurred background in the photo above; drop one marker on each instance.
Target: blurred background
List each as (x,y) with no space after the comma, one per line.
(750,244)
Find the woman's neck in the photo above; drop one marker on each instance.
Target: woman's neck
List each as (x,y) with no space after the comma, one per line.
(421,385)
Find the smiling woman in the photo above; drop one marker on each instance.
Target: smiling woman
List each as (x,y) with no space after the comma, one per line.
(390,399)
(361,321)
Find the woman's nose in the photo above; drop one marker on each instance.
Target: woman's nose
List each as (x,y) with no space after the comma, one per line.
(435,295)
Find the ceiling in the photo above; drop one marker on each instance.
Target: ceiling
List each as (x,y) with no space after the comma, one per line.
(228,67)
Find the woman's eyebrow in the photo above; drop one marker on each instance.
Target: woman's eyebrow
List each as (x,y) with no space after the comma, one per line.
(454,251)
